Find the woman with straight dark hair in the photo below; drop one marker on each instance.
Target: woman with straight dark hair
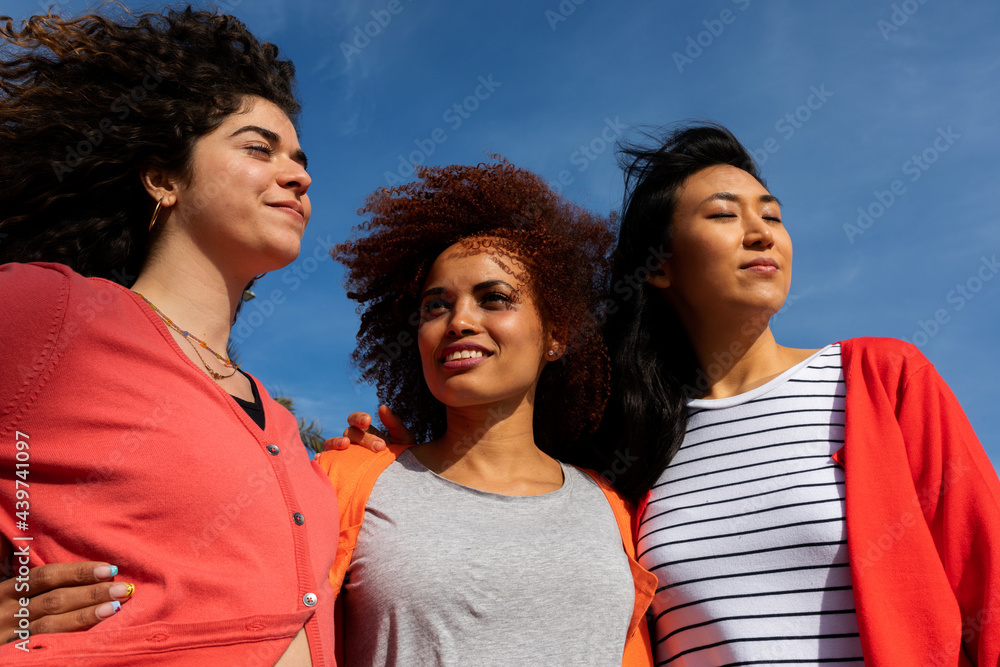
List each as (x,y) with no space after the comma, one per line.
(151,170)
(798,506)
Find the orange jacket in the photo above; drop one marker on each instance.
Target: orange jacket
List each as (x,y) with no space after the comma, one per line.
(353,472)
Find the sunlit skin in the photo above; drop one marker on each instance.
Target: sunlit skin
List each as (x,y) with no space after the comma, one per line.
(470,302)
(729,271)
(240,211)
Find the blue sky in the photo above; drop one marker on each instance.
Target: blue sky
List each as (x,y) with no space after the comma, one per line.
(875,122)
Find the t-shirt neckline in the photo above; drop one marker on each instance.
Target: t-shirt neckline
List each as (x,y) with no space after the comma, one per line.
(414,462)
(771,385)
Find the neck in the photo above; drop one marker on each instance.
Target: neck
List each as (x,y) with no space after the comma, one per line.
(494,441)
(196,295)
(737,356)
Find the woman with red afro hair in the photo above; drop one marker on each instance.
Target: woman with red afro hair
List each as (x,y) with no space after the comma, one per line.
(481,293)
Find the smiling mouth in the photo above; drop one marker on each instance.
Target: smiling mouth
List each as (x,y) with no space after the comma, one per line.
(464,354)
(290,208)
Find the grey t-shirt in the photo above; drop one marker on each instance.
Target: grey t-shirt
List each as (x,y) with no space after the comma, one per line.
(443,574)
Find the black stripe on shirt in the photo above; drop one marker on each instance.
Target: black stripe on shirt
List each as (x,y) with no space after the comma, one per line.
(721,536)
(733,500)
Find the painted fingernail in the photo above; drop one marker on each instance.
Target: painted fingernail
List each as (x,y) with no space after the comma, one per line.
(105,571)
(119,591)
(108,609)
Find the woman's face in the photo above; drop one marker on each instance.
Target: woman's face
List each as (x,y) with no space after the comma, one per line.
(481,337)
(730,252)
(244,203)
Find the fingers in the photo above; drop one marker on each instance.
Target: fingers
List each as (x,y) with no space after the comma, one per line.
(61,597)
(100,601)
(359,420)
(372,438)
(57,575)
(336,443)
(76,620)
(361,432)
(398,433)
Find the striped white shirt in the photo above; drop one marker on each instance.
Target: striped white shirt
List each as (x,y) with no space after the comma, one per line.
(746,531)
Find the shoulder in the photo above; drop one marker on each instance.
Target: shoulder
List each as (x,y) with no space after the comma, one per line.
(615,499)
(44,288)
(353,467)
(888,359)
(872,346)
(34,300)
(36,313)
(36,273)
(625,512)
(32,287)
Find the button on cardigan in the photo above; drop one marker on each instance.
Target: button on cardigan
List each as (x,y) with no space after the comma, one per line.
(137,458)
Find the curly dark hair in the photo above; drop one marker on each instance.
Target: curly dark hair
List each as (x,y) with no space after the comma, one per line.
(564,249)
(87,102)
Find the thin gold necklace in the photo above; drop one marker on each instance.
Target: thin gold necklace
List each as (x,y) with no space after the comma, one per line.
(226,361)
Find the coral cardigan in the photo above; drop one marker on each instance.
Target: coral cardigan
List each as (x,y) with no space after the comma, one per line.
(923,514)
(134,456)
(354,471)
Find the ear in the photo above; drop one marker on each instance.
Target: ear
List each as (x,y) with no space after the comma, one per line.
(554,350)
(660,277)
(160,184)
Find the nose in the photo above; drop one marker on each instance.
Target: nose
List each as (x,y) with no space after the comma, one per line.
(463,320)
(757,233)
(293,175)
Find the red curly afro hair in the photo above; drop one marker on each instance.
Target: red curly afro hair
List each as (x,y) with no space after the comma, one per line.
(564,248)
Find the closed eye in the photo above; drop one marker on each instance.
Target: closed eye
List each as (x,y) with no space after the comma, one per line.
(261,149)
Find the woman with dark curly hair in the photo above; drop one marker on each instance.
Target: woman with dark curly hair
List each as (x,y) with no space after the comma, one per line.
(480,294)
(151,170)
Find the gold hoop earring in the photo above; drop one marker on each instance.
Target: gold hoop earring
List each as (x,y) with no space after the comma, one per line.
(156,214)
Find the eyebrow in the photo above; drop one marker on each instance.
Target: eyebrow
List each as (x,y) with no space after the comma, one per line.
(729,196)
(436,291)
(275,138)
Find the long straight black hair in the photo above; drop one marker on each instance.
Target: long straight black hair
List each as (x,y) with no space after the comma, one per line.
(653,362)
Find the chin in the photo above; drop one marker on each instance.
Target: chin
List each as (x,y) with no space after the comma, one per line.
(279,258)
(466,397)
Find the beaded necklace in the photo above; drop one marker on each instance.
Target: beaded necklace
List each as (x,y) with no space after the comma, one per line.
(227,362)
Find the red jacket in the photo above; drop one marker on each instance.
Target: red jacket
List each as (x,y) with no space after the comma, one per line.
(923,514)
(354,471)
(134,456)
